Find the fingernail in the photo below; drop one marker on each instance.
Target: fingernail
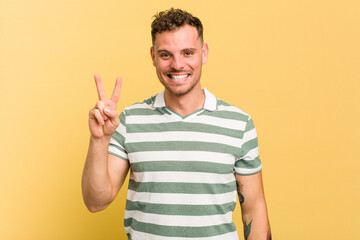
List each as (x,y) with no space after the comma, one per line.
(107,110)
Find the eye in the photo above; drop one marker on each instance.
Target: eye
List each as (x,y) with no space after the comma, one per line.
(164,55)
(188,53)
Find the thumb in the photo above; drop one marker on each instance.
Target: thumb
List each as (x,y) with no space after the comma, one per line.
(113,115)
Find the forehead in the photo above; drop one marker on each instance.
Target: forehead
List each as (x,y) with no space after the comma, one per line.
(182,37)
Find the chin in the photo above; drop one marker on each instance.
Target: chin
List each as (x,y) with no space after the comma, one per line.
(178,92)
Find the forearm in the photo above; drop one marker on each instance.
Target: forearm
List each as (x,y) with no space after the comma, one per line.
(256,223)
(96,183)
(253,207)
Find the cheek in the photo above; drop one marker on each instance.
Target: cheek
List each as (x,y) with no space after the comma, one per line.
(195,64)
(162,66)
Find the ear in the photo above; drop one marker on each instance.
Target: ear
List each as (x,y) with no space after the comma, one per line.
(205,52)
(152,55)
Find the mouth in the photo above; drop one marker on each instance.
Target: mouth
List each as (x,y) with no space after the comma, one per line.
(178,77)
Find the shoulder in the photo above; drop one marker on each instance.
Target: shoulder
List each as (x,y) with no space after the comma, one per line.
(140,108)
(230,111)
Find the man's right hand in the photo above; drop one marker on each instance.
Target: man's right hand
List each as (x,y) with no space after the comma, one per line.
(103,118)
(103,173)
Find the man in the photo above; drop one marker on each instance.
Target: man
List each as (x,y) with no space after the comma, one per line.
(188,151)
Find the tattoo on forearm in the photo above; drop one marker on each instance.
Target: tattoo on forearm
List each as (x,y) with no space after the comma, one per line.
(241,197)
(269,235)
(247,230)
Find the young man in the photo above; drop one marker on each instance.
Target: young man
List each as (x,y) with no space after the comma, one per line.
(189,152)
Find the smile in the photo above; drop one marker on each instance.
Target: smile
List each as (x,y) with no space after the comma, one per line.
(178,77)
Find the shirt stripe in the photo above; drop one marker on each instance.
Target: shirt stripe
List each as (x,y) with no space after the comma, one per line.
(179,220)
(143,235)
(182,198)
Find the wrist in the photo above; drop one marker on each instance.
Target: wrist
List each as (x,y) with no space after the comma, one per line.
(100,140)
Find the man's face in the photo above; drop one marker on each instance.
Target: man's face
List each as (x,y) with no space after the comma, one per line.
(178,56)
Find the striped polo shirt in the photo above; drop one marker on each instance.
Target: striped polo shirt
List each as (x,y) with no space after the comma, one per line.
(182,183)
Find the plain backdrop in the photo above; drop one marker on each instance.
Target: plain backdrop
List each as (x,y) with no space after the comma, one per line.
(292,65)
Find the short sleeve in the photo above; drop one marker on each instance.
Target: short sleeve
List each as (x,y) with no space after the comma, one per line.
(248,162)
(117,141)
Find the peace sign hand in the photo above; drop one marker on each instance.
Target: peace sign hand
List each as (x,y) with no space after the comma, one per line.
(103,118)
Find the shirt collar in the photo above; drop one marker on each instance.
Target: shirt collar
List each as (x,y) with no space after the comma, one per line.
(210,101)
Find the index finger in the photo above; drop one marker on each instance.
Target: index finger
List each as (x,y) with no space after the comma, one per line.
(99,87)
(116,92)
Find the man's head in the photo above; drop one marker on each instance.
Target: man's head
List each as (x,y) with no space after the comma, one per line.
(178,51)
(172,19)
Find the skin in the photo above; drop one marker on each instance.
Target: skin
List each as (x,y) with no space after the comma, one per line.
(174,54)
(253,206)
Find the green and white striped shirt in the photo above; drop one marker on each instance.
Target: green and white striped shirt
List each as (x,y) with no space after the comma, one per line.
(182,183)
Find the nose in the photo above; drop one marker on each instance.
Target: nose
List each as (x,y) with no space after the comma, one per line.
(177,63)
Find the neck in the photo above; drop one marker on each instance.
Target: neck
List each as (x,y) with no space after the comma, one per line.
(186,104)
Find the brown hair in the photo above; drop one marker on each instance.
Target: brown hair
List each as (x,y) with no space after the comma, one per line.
(172,19)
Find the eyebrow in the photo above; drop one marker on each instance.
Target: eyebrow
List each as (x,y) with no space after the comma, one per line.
(183,50)
(190,49)
(162,50)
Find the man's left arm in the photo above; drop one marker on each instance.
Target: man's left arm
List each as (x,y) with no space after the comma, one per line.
(253,207)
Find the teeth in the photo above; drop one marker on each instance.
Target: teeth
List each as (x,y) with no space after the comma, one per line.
(178,77)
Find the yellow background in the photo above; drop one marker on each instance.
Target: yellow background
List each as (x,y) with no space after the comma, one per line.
(293,65)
